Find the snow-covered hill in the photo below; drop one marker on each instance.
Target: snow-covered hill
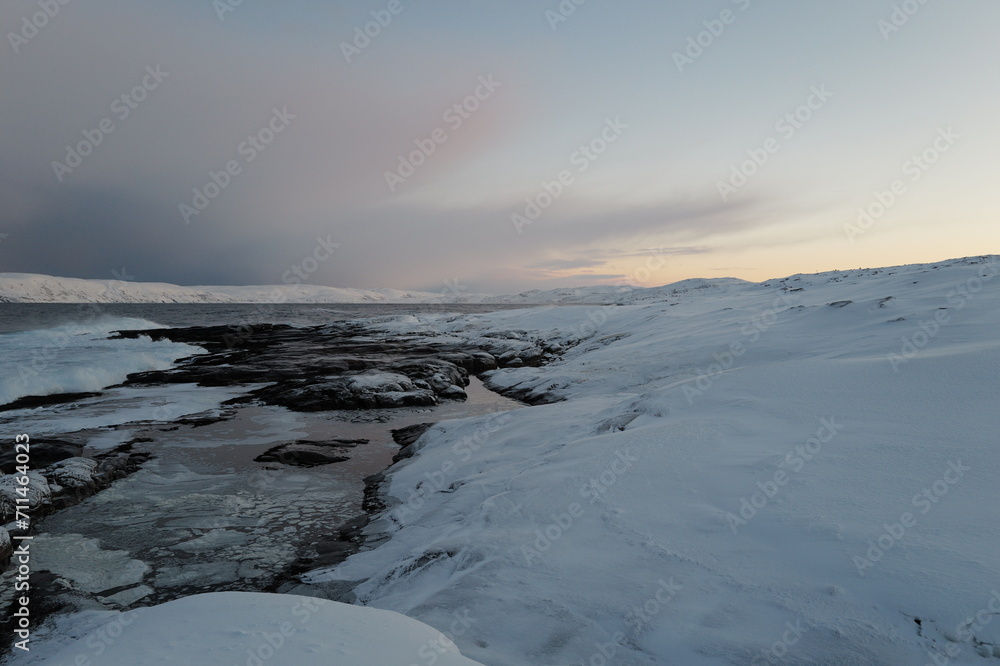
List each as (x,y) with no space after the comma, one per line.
(31,288)
(621,295)
(800,471)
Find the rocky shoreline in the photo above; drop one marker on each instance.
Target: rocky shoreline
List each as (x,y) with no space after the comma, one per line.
(332,368)
(68,480)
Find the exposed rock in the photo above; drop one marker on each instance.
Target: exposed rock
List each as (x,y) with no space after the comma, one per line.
(482,362)
(43,453)
(454,392)
(306,453)
(75,475)
(36,491)
(437,373)
(531,356)
(32,401)
(63,483)
(410,434)
(338,366)
(476,361)
(372,502)
(6,548)
(508,357)
(339,393)
(213,338)
(342,544)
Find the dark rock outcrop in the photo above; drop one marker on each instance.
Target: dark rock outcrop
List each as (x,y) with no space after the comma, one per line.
(33,401)
(307,453)
(339,366)
(43,453)
(410,434)
(66,482)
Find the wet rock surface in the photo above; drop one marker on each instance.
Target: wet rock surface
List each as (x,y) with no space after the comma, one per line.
(332,367)
(43,452)
(410,434)
(281,479)
(63,483)
(328,367)
(306,453)
(32,401)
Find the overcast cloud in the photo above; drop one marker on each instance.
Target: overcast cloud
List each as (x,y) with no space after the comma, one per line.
(211,90)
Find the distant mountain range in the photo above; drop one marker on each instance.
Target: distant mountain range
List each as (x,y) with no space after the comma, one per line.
(33,288)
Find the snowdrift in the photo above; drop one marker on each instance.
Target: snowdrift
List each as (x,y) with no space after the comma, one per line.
(237,628)
(800,471)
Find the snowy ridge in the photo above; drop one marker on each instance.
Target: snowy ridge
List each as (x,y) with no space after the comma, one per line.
(31,288)
(621,295)
(800,471)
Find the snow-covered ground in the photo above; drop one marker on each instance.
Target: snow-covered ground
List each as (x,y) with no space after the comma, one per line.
(620,294)
(801,471)
(237,628)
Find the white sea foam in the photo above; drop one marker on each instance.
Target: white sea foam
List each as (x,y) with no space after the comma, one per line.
(79,357)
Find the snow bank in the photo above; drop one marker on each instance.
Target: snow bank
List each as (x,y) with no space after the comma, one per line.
(237,628)
(799,471)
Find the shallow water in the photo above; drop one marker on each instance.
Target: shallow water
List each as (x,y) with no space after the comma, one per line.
(202,515)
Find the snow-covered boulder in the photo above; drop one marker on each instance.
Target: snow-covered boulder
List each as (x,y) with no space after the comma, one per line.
(244,628)
(36,491)
(6,548)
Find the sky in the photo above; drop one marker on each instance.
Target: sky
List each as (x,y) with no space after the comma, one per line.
(493,146)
